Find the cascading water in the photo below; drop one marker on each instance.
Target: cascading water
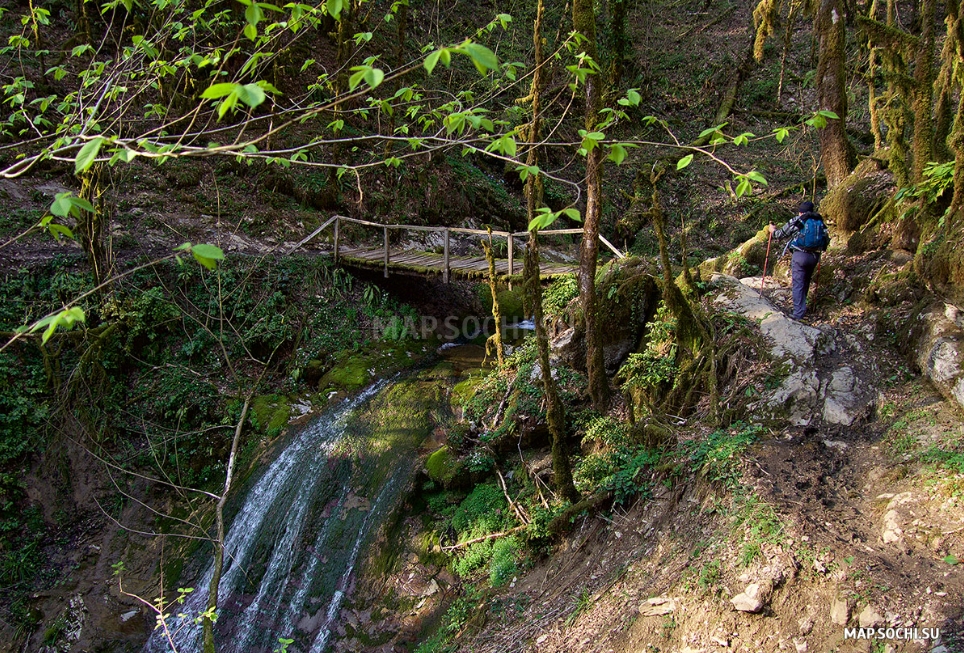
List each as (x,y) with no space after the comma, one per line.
(291,548)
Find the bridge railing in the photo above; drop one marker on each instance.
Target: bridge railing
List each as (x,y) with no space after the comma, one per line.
(336,221)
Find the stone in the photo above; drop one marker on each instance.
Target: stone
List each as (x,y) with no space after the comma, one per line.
(806,625)
(840,612)
(846,401)
(891,531)
(752,599)
(937,340)
(657,606)
(800,645)
(870,618)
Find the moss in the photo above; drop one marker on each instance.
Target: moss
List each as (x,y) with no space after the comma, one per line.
(510,301)
(270,413)
(465,390)
(745,260)
(442,466)
(352,371)
(854,202)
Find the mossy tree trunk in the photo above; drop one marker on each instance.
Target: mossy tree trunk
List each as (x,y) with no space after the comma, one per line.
(837,153)
(947,82)
(584,22)
(924,92)
(93,229)
(555,410)
(955,34)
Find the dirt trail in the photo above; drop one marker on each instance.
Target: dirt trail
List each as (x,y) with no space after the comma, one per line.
(868,535)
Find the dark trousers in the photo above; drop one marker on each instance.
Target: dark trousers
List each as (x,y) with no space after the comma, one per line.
(802,265)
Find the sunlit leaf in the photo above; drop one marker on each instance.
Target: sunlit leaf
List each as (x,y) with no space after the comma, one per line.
(685,161)
(87,155)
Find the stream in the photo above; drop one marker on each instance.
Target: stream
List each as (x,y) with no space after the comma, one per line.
(294,543)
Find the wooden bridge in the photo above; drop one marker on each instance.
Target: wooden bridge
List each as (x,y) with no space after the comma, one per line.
(443,263)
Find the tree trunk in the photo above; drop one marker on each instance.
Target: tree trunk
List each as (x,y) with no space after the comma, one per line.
(584,22)
(836,152)
(208,645)
(924,92)
(92,228)
(555,410)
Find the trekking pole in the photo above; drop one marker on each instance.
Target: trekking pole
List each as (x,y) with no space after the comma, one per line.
(766,261)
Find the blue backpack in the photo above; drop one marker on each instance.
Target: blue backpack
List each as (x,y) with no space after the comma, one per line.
(813,235)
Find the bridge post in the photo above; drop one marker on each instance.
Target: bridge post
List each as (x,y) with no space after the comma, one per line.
(386,252)
(337,235)
(510,254)
(445,257)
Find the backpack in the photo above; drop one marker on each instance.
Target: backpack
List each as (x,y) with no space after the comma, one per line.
(813,236)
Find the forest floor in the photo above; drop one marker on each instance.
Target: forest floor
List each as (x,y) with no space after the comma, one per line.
(836,526)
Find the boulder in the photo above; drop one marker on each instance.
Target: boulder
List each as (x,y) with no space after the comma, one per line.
(937,347)
(753,598)
(870,618)
(840,611)
(845,402)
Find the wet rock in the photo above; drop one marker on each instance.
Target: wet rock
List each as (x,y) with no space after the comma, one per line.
(870,618)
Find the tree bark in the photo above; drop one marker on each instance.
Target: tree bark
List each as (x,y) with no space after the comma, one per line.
(836,151)
(208,645)
(924,92)
(555,410)
(584,22)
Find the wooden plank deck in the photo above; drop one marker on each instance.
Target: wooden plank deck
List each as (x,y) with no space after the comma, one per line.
(427,262)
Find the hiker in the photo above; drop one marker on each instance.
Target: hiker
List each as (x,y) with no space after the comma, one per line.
(809,238)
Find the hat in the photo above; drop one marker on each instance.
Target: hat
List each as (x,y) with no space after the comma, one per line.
(806,206)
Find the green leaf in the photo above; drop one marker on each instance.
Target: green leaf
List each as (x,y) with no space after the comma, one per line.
(219,90)
(753,175)
(685,161)
(431,60)
(483,58)
(183,247)
(251,94)
(87,155)
(617,153)
(374,77)
(66,319)
(781,133)
(712,130)
(253,14)
(250,32)
(208,251)
(59,230)
(744,187)
(572,214)
(826,113)
(61,205)
(951,559)
(334,8)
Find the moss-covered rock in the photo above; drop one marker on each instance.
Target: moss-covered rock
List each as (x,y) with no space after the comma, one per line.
(270,413)
(851,204)
(510,301)
(745,260)
(442,466)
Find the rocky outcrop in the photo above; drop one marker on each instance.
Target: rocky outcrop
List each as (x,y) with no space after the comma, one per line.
(813,387)
(937,348)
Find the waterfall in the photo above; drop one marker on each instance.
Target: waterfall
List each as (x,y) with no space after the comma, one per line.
(292,547)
